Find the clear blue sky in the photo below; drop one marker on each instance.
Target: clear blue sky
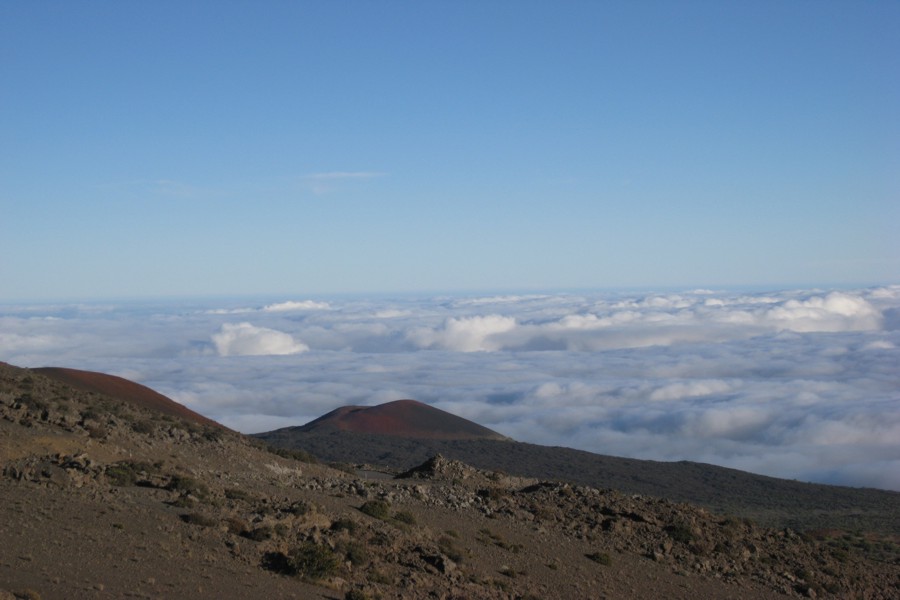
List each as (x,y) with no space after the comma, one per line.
(184,148)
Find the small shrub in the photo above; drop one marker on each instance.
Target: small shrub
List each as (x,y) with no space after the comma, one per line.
(492,494)
(258,534)
(601,558)
(356,553)
(188,485)
(236,526)
(213,434)
(313,561)
(356,595)
(97,431)
(31,403)
(299,508)
(237,494)
(199,519)
(377,576)
(832,588)
(120,474)
(277,562)
(514,548)
(449,549)
(406,517)
(128,473)
(143,427)
(680,533)
(840,554)
(344,524)
(566,491)
(378,509)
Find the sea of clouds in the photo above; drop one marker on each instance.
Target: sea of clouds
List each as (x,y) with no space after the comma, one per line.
(802,384)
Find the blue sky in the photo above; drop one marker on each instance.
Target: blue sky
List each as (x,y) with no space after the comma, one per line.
(197,148)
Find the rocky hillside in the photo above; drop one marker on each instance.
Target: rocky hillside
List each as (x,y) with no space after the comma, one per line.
(123,389)
(766,500)
(105,498)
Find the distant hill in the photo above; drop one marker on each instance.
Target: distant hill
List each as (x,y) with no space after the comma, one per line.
(123,389)
(767,500)
(401,418)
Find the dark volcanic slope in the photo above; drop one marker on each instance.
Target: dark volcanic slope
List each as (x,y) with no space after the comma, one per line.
(403,418)
(123,389)
(771,501)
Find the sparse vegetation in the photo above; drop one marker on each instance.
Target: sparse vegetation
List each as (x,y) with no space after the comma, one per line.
(378,509)
(405,517)
(300,508)
(236,525)
(145,427)
(97,431)
(128,473)
(258,534)
(448,547)
(344,524)
(188,485)
(200,519)
(488,537)
(237,494)
(680,533)
(601,558)
(313,561)
(355,552)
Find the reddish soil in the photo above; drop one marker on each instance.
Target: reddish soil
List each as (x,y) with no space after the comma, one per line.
(123,389)
(404,418)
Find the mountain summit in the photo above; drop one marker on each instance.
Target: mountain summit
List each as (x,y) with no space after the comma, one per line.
(402,418)
(123,390)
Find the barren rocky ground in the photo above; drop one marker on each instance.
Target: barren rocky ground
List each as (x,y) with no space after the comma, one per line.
(104,498)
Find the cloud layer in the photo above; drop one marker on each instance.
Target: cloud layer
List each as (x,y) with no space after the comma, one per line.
(244,339)
(801,384)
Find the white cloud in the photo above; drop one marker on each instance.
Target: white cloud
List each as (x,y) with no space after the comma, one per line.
(800,384)
(296,305)
(466,334)
(879,345)
(689,389)
(244,339)
(837,311)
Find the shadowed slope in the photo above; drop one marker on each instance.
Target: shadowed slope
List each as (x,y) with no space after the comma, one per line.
(403,418)
(123,389)
(774,502)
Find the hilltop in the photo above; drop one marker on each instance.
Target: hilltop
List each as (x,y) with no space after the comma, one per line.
(400,418)
(105,497)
